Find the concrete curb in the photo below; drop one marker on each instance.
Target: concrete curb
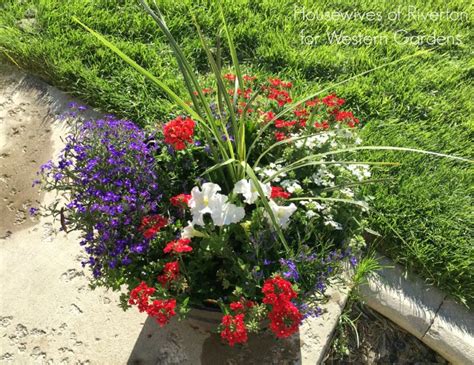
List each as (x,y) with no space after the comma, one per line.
(424,311)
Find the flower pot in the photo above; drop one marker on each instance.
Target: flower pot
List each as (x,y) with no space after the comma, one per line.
(205,319)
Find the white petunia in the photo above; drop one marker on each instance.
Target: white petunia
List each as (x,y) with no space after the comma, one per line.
(282,213)
(248,189)
(230,213)
(207,200)
(190,232)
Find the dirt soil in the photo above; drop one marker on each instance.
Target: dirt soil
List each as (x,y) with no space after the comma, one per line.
(380,342)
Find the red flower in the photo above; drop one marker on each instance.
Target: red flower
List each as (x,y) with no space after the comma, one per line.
(237,306)
(284,124)
(313,102)
(278,83)
(277,290)
(301,113)
(152,224)
(241,306)
(246,93)
(323,125)
(280,136)
(229,77)
(178,131)
(249,78)
(332,101)
(278,192)
(178,246)
(268,116)
(170,273)
(285,319)
(282,97)
(302,122)
(274,81)
(234,330)
(205,91)
(162,310)
(180,200)
(342,115)
(140,295)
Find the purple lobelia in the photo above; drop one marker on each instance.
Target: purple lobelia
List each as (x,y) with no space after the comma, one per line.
(112,180)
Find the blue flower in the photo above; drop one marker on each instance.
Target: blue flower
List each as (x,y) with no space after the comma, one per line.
(292,270)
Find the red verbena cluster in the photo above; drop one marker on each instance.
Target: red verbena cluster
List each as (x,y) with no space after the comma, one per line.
(170,273)
(278,91)
(140,295)
(233,329)
(152,224)
(277,289)
(284,316)
(178,132)
(326,109)
(285,319)
(178,246)
(161,310)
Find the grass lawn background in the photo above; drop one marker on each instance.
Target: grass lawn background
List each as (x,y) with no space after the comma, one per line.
(423,210)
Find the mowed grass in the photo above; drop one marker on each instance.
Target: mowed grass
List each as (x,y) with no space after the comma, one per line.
(423,209)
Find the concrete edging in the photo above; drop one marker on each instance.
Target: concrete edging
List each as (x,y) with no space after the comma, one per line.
(424,311)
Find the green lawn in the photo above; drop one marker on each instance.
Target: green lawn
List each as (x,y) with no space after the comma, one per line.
(423,210)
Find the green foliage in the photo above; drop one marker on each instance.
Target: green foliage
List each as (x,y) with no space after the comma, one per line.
(425,212)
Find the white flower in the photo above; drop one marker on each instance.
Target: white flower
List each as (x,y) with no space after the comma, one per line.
(291,185)
(190,232)
(205,201)
(248,189)
(347,192)
(319,207)
(345,133)
(282,213)
(230,213)
(335,225)
(209,201)
(323,177)
(311,213)
(271,170)
(360,171)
